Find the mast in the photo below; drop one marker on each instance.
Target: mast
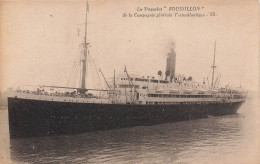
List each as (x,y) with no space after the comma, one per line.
(213,66)
(85,44)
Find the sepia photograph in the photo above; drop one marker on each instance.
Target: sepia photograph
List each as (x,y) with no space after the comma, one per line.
(112,81)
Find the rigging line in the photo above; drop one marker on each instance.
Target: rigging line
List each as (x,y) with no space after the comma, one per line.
(93,76)
(80,66)
(208,81)
(77,71)
(95,51)
(214,84)
(73,69)
(98,75)
(99,80)
(219,83)
(80,73)
(217,80)
(90,71)
(104,79)
(87,67)
(209,73)
(72,77)
(208,77)
(71,73)
(97,83)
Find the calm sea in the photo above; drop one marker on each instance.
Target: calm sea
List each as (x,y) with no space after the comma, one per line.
(226,139)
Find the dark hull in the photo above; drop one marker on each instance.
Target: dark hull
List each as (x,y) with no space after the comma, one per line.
(29,118)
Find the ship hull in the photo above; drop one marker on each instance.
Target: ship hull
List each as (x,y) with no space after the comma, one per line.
(30,118)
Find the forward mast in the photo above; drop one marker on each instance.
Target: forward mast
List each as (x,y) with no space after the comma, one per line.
(85,53)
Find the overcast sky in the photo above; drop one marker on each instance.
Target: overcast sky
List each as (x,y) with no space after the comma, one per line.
(41,40)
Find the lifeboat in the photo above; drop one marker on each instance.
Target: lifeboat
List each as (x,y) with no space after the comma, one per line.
(187,91)
(201,91)
(160,90)
(213,91)
(174,90)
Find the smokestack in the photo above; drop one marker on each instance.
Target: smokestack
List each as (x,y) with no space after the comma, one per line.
(170,65)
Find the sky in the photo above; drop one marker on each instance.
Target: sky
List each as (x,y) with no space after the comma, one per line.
(40,41)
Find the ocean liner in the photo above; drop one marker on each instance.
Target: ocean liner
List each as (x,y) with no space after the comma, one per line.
(129,100)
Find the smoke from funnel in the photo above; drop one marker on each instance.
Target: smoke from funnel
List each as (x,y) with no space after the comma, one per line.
(171,62)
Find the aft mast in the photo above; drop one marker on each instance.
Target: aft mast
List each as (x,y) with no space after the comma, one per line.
(213,66)
(84,61)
